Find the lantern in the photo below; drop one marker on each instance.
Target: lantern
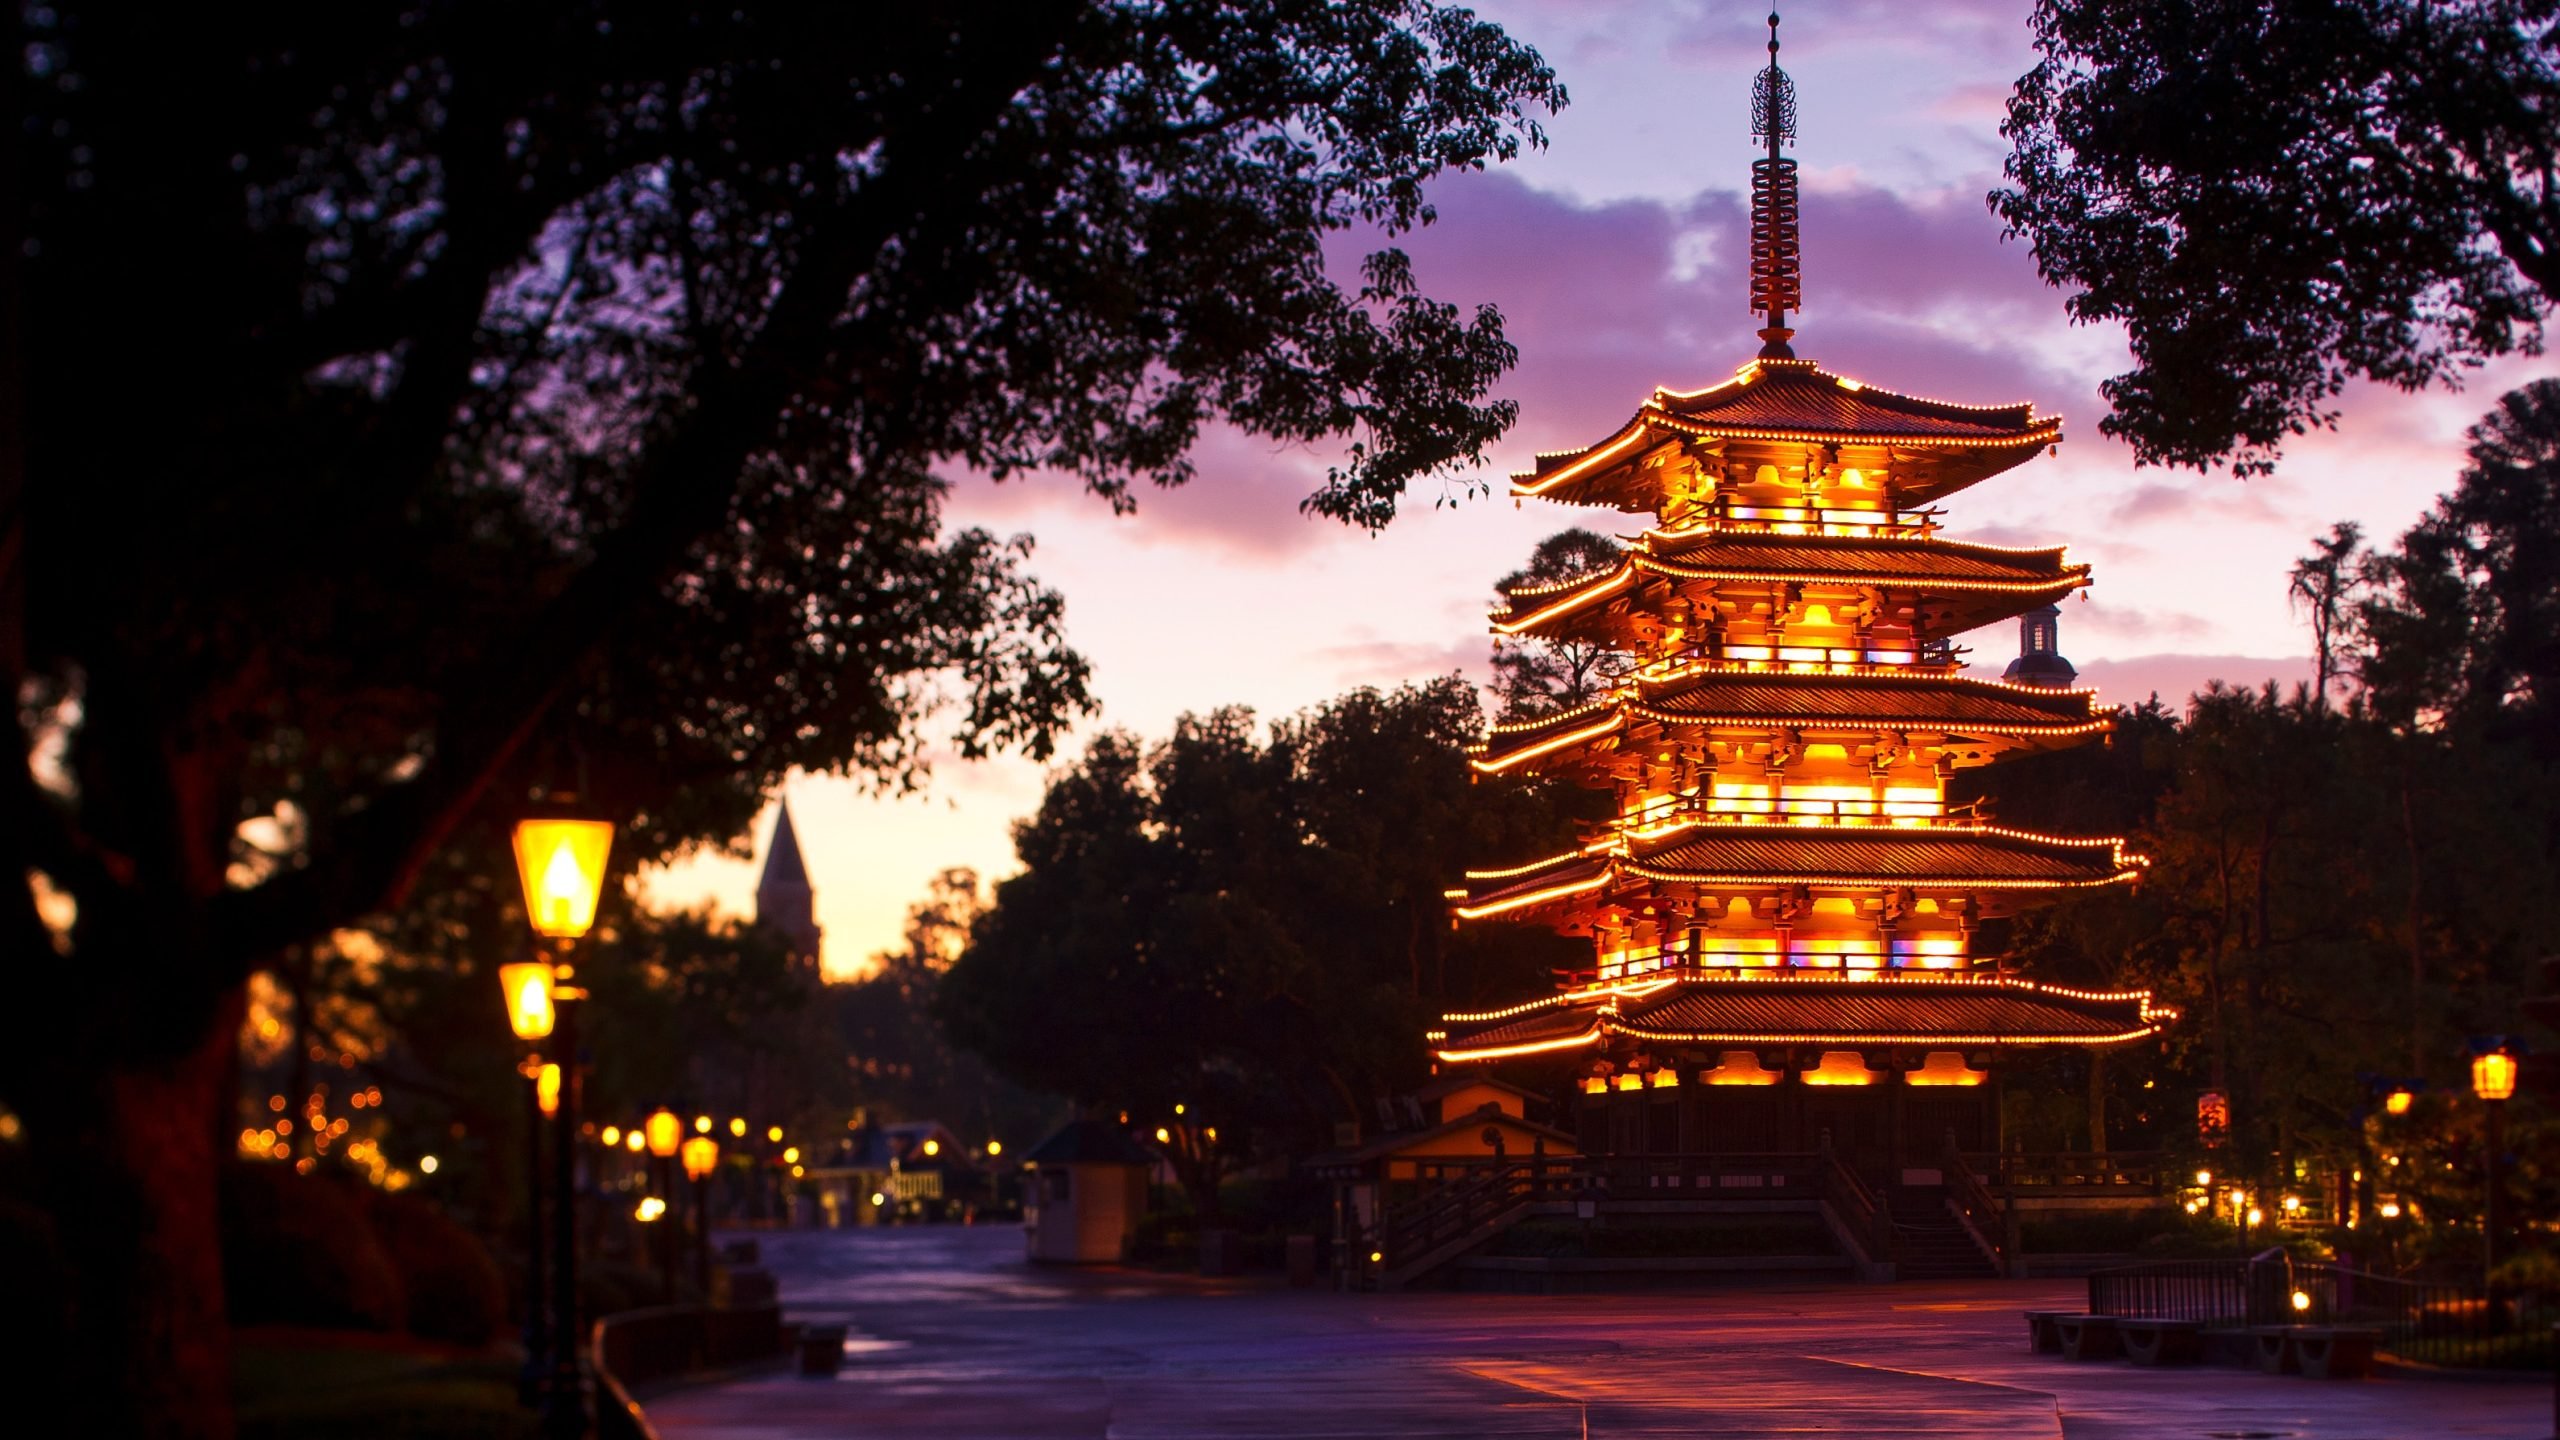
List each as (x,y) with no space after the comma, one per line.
(2398,1102)
(546,1090)
(527,986)
(738,1128)
(665,1131)
(701,1153)
(2493,1076)
(701,1124)
(561,863)
(634,1141)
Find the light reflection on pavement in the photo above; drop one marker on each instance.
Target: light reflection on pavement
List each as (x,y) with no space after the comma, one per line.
(954,1336)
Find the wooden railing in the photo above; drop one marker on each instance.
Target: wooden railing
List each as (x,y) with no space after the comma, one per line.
(1459,1198)
(1869,1225)
(1980,1211)
(2117,1172)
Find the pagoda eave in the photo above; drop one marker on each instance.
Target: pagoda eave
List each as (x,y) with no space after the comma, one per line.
(1888,1010)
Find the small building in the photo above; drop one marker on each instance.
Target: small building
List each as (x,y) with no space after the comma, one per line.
(1459,1122)
(1089,1191)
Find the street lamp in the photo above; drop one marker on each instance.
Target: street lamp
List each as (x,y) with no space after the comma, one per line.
(2493,1079)
(526,987)
(701,1157)
(560,862)
(666,1134)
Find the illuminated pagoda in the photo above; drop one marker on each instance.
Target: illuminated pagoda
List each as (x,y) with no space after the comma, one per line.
(1785,909)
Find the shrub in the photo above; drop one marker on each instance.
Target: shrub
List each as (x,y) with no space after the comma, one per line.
(453,1287)
(298,1250)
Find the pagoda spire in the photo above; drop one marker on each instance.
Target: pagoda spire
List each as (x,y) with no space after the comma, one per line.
(1777,279)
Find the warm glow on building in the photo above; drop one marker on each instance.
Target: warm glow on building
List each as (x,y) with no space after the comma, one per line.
(1786,875)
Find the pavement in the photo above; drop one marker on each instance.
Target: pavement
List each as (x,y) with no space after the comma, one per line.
(954,1336)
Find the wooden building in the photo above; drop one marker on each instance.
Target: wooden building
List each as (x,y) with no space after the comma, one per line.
(1786,915)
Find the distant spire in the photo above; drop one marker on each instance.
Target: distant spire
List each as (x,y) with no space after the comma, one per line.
(2040,659)
(1777,279)
(784,897)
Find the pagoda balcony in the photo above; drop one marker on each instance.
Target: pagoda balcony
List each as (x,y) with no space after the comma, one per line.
(1724,955)
(1734,513)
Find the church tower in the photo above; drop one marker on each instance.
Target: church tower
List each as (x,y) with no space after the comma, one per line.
(784,899)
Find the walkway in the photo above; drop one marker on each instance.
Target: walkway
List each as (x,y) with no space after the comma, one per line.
(955,1338)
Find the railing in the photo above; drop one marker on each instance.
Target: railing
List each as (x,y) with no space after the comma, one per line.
(2214,1292)
(2119,1171)
(1977,1208)
(2433,1322)
(1461,1197)
(632,1349)
(1867,1221)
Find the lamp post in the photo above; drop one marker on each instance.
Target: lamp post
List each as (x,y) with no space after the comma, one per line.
(527,987)
(2493,1079)
(701,1157)
(560,862)
(666,1133)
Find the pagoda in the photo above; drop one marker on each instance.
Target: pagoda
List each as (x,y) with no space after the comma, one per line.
(1786,914)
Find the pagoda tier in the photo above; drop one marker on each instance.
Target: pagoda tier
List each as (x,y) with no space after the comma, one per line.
(1859,598)
(1674,732)
(1685,447)
(1891,1012)
(1719,892)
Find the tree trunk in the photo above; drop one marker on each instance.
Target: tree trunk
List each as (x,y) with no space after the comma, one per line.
(128,1161)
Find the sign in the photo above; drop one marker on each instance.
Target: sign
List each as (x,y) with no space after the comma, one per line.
(2213,1118)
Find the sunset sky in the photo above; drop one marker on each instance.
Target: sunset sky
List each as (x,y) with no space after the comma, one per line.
(1617,257)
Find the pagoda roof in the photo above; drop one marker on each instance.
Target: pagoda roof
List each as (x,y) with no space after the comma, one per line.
(1737,854)
(1810,1008)
(1983,583)
(1932,701)
(1931,447)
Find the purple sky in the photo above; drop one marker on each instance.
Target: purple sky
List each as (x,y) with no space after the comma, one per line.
(1616,257)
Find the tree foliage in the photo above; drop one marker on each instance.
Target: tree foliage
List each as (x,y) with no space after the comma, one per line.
(2275,197)
(1534,676)
(551,398)
(1250,927)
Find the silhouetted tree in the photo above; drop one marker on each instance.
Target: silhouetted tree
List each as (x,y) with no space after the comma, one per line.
(1534,676)
(430,402)
(2277,196)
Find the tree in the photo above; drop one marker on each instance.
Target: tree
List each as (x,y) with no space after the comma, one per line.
(550,399)
(2462,622)
(1249,928)
(1538,677)
(2324,585)
(2277,196)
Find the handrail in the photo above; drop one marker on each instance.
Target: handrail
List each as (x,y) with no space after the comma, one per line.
(1850,1199)
(1975,1207)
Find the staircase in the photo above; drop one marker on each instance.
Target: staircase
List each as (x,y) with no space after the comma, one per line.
(1929,1242)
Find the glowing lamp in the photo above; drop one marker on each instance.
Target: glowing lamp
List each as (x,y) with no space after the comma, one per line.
(546,1090)
(611,1137)
(774,1134)
(2398,1102)
(427,1164)
(2256,1215)
(2301,1300)
(738,1128)
(527,986)
(701,1124)
(634,1141)
(932,1148)
(2390,1209)
(665,1133)
(701,1154)
(1163,1136)
(2204,1177)
(994,1148)
(561,863)
(2493,1076)
(650,1209)
(791,1156)
(878,1199)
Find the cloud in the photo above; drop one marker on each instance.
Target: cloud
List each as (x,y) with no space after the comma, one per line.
(2102,620)
(2210,499)
(1389,663)
(2174,677)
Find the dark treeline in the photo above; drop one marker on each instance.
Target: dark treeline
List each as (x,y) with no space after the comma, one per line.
(2351,884)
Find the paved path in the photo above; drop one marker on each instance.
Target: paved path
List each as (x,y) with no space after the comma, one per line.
(955,1338)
